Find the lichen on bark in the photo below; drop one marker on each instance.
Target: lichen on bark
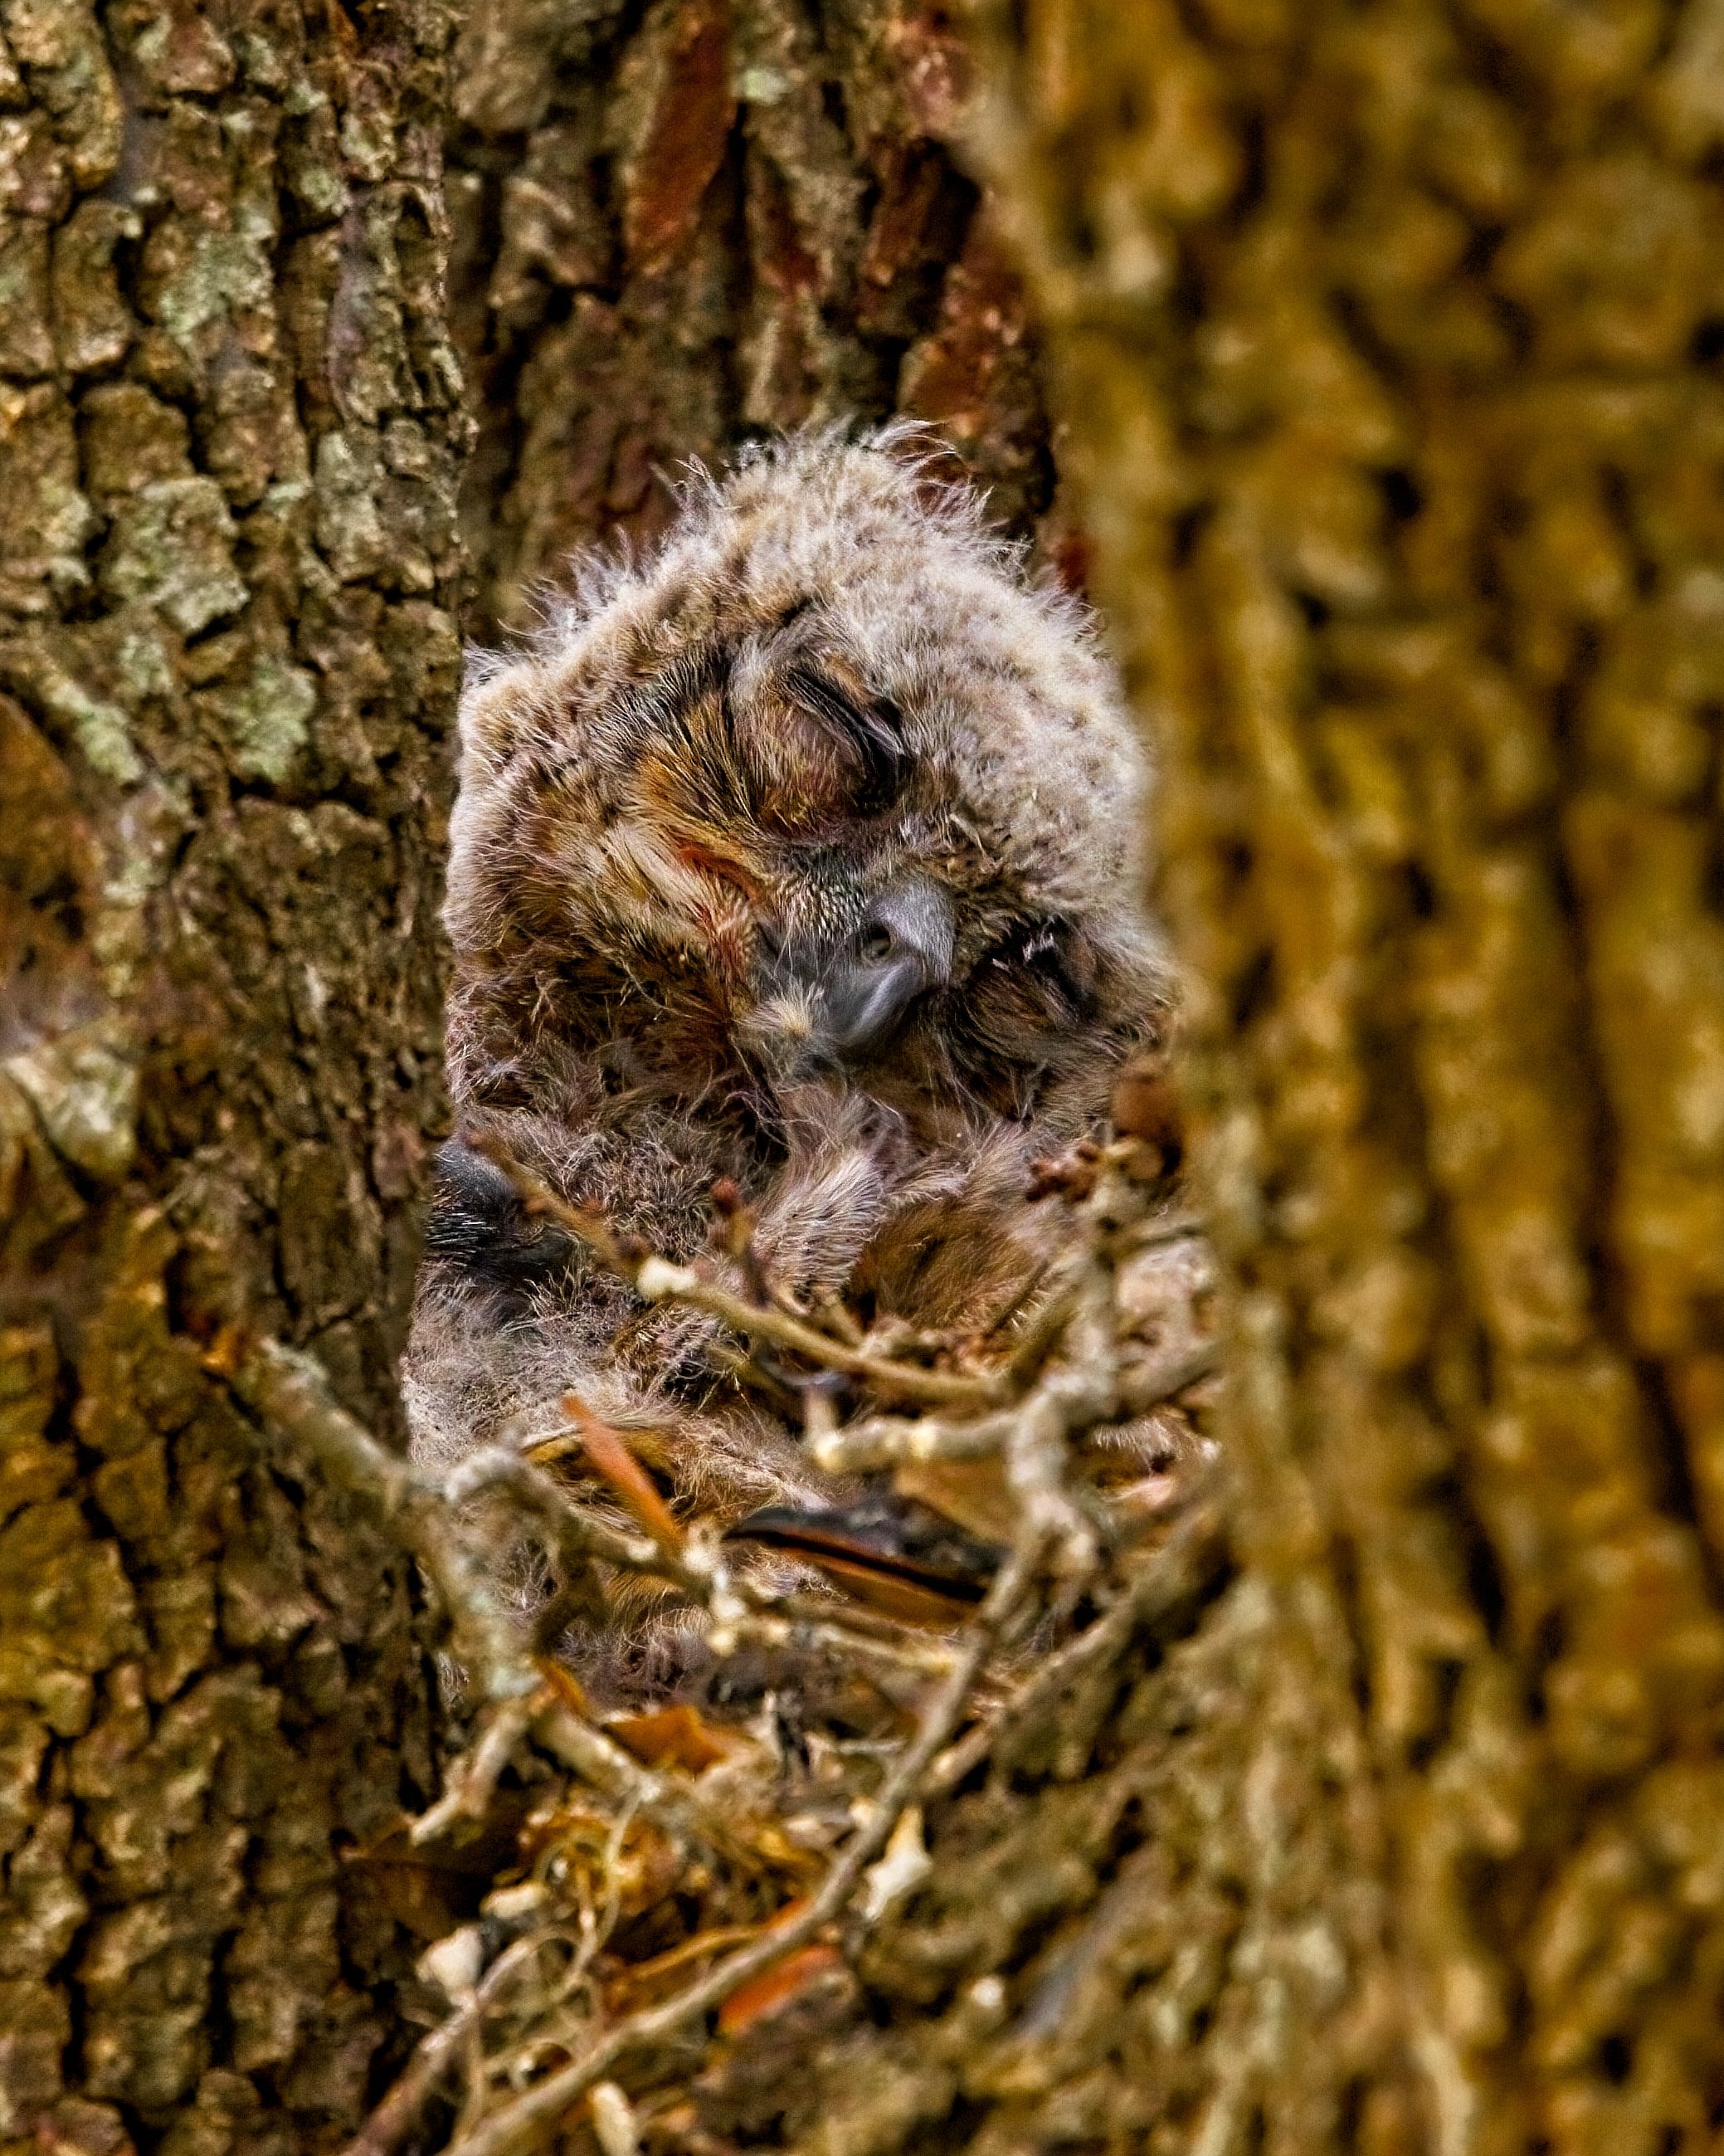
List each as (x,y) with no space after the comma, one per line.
(224,376)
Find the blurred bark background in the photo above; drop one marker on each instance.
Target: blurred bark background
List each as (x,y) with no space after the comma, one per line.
(1384,350)
(1389,339)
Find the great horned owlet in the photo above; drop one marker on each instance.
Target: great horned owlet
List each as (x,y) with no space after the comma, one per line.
(806,852)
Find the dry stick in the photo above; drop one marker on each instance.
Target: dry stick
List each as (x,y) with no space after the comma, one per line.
(770,1628)
(1193,1556)
(883,1440)
(508,2128)
(570,1738)
(736,1606)
(577,1533)
(746,1367)
(1154,1234)
(1017,1302)
(656,1280)
(610,1457)
(399,2111)
(1160,1383)
(856,1620)
(1043,1334)
(642,1972)
(473,1784)
(291,1390)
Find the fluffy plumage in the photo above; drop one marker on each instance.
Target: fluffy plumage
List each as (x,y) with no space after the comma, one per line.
(805,852)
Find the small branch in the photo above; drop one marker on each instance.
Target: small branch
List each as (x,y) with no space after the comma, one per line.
(513,2125)
(1154,1386)
(656,1280)
(1186,1567)
(291,1390)
(1043,1334)
(473,1784)
(739,1611)
(1154,1235)
(884,1441)
(769,1628)
(399,2112)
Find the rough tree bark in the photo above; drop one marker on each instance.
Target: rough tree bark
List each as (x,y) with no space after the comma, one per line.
(1387,339)
(229,429)
(678,225)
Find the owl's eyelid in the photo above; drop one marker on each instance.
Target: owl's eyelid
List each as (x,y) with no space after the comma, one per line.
(872,729)
(722,870)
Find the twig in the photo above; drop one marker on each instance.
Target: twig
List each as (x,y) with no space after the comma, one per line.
(884,1441)
(1191,1560)
(649,1973)
(574,1534)
(401,2106)
(610,1457)
(740,1611)
(291,1390)
(1043,1334)
(472,1785)
(656,1280)
(512,2125)
(1153,1235)
(771,1629)
(1154,1386)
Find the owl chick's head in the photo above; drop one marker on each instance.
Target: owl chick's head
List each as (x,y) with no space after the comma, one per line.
(823,785)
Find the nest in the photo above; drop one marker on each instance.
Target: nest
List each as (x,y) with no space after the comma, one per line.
(670,1902)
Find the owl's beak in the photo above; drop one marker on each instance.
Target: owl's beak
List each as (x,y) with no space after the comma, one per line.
(840,1003)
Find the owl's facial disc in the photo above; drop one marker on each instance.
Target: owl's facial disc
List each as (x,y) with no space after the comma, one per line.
(838,1000)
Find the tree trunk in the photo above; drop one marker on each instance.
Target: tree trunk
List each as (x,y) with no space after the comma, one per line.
(1387,341)
(677,227)
(1386,345)
(229,433)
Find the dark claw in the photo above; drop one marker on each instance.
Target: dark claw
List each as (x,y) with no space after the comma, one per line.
(479,1226)
(889,1552)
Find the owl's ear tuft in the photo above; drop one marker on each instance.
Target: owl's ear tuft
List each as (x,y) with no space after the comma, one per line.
(489,721)
(870,730)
